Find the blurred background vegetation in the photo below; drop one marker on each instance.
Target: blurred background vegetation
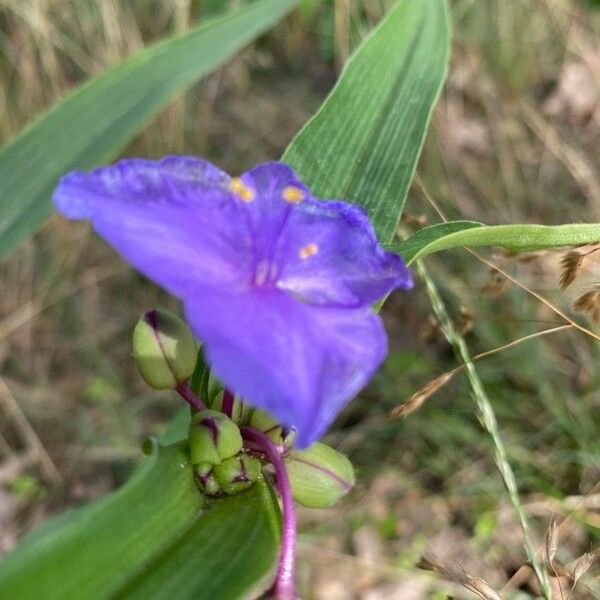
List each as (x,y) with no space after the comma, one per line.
(515,138)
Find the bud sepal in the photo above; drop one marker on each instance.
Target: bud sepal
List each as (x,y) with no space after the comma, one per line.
(206,481)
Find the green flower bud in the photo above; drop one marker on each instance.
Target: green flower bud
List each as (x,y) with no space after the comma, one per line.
(164,350)
(206,480)
(237,474)
(240,410)
(319,476)
(215,389)
(213,437)
(264,422)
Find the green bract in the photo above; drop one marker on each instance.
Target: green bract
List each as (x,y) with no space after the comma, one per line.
(164,350)
(319,476)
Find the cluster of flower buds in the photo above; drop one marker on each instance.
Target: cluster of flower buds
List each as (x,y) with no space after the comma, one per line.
(166,353)
(216,450)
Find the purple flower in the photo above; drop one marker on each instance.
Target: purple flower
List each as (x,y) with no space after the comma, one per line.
(277,284)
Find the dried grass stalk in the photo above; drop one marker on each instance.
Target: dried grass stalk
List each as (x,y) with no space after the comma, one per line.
(457,574)
(571,263)
(551,540)
(416,400)
(582,565)
(589,303)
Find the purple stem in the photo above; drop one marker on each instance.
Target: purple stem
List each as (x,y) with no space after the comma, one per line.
(184,390)
(284,587)
(227,406)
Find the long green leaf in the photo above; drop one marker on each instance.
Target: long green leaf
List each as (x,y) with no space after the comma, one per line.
(94,124)
(411,247)
(514,238)
(364,142)
(154,538)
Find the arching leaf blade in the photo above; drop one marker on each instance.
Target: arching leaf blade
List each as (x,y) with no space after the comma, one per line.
(93,124)
(155,537)
(364,142)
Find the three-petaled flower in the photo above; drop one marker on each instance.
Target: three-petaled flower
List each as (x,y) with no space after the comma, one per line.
(277,284)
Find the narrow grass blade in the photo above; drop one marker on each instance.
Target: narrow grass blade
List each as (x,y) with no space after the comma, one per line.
(487,417)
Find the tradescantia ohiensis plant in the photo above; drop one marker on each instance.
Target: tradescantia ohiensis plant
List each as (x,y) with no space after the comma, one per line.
(279,287)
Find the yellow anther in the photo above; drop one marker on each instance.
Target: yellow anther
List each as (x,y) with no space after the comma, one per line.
(292,194)
(308,250)
(242,191)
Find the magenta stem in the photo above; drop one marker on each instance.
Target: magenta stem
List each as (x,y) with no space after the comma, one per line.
(227,406)
(184,390)
(284,587)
